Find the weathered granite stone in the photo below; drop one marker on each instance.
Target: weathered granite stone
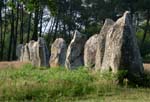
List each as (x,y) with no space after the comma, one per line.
(90,50)
(74,57)
(18,51)
(43,52)
(35,52)
(121,49)
(101,43)
(25,54)
(58,53)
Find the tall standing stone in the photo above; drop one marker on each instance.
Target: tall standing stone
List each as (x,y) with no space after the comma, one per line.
(121,49)
(74,57)
(101,43)
(35,52)
(90,50)
(18,51)
(25,54)
(58,53)
(43,52)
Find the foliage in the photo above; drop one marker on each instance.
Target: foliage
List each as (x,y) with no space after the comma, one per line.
(24,20)
(144,47)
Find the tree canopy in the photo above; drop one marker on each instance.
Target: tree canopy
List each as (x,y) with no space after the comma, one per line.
(25,20)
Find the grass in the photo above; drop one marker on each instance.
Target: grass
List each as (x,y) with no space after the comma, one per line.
(61,85)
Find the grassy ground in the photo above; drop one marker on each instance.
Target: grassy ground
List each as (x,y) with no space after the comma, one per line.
(61,85)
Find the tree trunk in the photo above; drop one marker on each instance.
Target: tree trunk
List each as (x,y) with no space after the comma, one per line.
(51,27)
(21,26)
(51,31)
(11,35)
(16,34)
(36,22)
(4,33)
(64,31)
(29,27)
(146,27)
(56,27)
(41,18)
(1,32)
(45,27)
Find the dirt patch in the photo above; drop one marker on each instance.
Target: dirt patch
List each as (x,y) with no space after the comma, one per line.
(17,64)
(147,67)
(13,64)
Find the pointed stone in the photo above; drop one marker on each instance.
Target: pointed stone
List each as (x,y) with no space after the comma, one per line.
(43,52)
(121,49)
(74,57)
(25,54)
(58,53)
(90,50)
(18,51)
(35,52)
(101,43)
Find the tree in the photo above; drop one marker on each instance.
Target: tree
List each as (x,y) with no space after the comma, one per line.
(11,35)
(144,6)
(1,32)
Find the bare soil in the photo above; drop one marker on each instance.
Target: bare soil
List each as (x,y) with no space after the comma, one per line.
(12,64)
(147,67)
(17,64)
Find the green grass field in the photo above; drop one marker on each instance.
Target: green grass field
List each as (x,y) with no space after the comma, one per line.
(61,85)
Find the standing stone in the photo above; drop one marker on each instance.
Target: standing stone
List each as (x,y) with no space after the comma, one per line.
(25,54)
(35,52)
(43,52)
(18,51)
(90,49)
(121,49)
(101,43)
(58,53)
(74,57)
